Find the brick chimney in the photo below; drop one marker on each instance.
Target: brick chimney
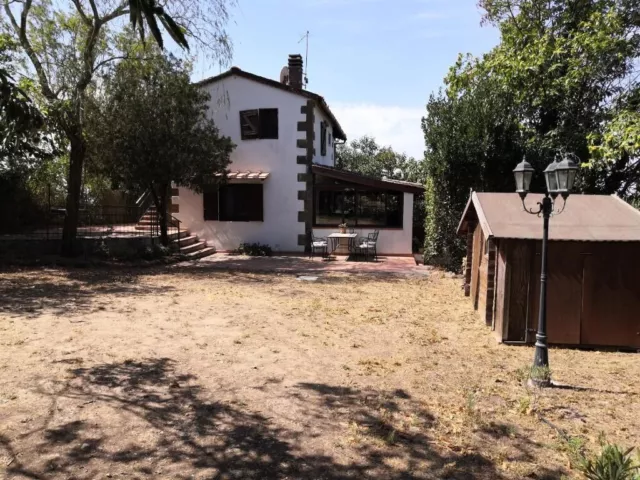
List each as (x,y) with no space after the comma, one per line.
(295,71)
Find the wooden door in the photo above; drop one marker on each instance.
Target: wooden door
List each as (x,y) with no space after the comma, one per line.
(564,292)
(478,253)
(520,259)
(611,304)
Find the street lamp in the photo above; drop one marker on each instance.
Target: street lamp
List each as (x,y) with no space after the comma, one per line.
(559,177)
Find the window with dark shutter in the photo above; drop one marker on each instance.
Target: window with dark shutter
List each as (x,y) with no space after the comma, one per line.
(268,123)
(260,123)
(249,124)
(323,139)
(241,202)
(210,202)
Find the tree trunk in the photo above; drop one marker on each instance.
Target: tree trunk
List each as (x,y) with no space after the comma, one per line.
(163,216)
(161,199)
(74,184)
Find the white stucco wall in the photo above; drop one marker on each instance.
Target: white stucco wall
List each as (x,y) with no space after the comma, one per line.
(280,227)
(327,159)
(391,241)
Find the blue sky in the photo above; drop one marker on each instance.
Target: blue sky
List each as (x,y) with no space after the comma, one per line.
(375,61)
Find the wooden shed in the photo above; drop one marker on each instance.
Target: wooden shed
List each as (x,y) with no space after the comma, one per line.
(593,287)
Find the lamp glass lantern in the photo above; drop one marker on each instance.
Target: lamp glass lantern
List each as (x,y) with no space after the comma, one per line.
(565,172)
(523,174)
(551,178)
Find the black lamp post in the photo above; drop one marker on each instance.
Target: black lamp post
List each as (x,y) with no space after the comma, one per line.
(559,176)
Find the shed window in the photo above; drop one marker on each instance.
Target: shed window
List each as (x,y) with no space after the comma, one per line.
(236,202)
(259,123)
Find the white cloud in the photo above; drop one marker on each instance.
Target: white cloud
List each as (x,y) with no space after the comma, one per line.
(396,126)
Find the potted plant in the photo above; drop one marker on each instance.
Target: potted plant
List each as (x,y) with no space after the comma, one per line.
(343,227)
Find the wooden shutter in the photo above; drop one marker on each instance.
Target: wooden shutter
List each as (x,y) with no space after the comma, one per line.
(249,124)
(323,139)
(210,202)
(254,198)
(268,123)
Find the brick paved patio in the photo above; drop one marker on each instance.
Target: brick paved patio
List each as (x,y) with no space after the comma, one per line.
(305,265)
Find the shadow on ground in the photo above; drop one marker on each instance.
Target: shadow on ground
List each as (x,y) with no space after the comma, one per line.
(174,430)
(61,291)
(65,291)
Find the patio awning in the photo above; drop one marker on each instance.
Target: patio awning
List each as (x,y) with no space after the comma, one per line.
(358,179)
(244,176)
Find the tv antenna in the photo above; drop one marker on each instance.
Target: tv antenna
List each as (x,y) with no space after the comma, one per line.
(306,56)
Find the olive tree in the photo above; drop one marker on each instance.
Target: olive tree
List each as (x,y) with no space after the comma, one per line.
(150,129)
(67,44)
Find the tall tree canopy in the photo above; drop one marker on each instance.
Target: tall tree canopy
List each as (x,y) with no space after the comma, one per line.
(562,78)
(67,44)
(21,123)
(365,156)
(151,129)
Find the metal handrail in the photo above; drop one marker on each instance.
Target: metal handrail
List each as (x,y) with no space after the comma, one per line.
(143,202)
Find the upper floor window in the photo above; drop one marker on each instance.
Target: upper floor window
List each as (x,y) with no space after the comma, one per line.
(259,123)
(323,139)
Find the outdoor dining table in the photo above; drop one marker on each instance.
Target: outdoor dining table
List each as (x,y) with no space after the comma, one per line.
(334,238)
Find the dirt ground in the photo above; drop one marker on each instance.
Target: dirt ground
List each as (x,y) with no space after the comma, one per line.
(196,373)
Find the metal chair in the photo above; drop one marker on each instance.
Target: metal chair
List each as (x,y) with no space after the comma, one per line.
(369,245)
(318,243)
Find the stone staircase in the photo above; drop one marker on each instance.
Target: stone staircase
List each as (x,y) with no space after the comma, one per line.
(188,245)
(191,246)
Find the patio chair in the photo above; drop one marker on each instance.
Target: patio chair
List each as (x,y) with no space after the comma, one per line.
(368,246)
(318,244)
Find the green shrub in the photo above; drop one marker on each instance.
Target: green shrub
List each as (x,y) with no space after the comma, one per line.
(254,250)
(612,463)
(540,374)
(535,373)
(151,252)
(102,250)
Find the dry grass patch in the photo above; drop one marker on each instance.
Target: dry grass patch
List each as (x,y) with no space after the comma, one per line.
(184,372)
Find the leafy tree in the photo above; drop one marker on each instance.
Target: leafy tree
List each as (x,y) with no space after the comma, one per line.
(471,144)
(571,66)
(563,77)
(151,129)
(366,157)
(21,123)
(67,45)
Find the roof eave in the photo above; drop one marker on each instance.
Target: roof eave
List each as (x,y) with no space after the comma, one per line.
(338,132)
(365,180)
(482,220)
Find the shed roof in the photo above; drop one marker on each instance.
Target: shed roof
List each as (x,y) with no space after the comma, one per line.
(322,104)
(586,218)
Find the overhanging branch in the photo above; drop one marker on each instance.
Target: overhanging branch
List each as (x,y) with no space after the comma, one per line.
(21,31)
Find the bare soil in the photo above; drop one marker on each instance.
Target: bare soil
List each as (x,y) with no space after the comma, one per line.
(181,373)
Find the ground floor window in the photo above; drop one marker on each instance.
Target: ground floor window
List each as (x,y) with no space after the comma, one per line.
(236,202)
(362,208)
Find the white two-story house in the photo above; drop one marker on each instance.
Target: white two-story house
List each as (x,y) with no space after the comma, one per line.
(282,184)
